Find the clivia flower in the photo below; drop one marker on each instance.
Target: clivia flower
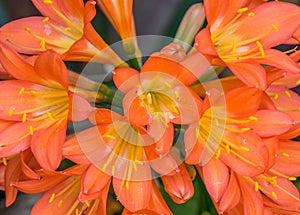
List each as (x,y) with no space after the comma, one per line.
(35,106)
(64,27)
(242,38)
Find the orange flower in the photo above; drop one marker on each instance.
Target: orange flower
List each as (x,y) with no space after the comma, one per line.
(37,105)
(159,92)
(121,151)
(242,38)
(64,27)
(64,192)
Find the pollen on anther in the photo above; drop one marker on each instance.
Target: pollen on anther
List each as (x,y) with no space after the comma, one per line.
(24,117)
(4,160)
(274,195)
(288,94)
(292,178)
(10,112)
(87,204)
(27,29)
(67,29)
(227,149)
(241,10)
(261,48)
(52,198)
(45,20)
(21,91)
(298,82)
(77,211)
(50,116)
(48,1)
(60,203)
(253,118)
(285,155)
(244,148)
(43,43)
(31,130)
(256,186)
(276,96)
(218,154)
(251,14)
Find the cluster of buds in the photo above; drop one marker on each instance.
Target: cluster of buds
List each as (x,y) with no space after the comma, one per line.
(156,123)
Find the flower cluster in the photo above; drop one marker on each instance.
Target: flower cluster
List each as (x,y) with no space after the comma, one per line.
(159,122)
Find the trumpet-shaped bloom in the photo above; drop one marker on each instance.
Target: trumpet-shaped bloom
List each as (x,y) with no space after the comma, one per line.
(37,105)
(242,38)
(64,27)
(125,153)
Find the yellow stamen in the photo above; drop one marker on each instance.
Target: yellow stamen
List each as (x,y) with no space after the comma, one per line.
(4,160)
(288,94)
(43,43)
(276,96)
(274,195)
(127,185)
(48,1)
(227,149)
(251,14)
(139,162)
(149,98)
(244,148)
(52,198)
(241,10)
(245,129)
(285,155)
(298,82)
(24,117)
(87,204)
(77,211)
(218,153)
(45,20)
(113,169)
(31,130)
(67,29)
(10,112)
(256,186)
(109,136)
(253,118)
(21,91)
(50,116)
(261,48)
(60,203)
(292,178)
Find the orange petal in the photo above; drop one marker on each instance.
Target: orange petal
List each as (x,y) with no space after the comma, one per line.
(231,196)
(12,174)
(270,123)
(215,178)
(79,108)
(126,79)
(47,143)
(134,195)
(179,186)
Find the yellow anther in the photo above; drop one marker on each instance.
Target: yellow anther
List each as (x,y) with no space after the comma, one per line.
(218,154)
(274,195)
(149,98)
(256,186)
(67,29)
(27,29)
(32,92)
(87,204)
(10,112)
(31,130)
(24,117)
(52,198)
(43,43)
(48,1)
(241,10)
(60,203)
(298,82)
(276,96)
(234,48)
(245,129)
(175,109)
(227,149)
(285,155)
(45,20)
(127,185)
(77,211)
(109,136)
(50,116)
(113,169)
(275,27)
(292,178)
(4,161)
(21,91)
(244,148)
(298,108)
(254,118)
(251,14)
(288,94)
(261,48)
(139,162)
